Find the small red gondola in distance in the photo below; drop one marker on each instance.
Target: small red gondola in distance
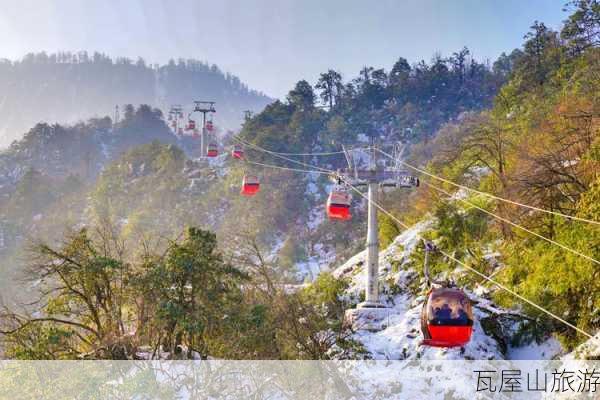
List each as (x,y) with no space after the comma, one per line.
(212,150)
(250,185)
(237,152)
(447,318)
(338,205)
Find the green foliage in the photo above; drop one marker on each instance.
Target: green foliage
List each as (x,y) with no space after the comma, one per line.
(96,304)
(541,55)
(331,86)
(538,144)
(43,342)
(80,302)
(291,253)
(561,282)
(143,182)
(589,204)
(192,288)
(517,150)
(309,323)
(327,291)
(33,192)
(581,30)
(409,103)
(388,230)
(458,228)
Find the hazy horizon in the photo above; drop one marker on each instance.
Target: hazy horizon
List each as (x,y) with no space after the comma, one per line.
(268,44)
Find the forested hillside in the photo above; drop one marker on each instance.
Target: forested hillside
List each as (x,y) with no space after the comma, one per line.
(408,103)
(68,87)
(141,183)
(157,254)
(537,146)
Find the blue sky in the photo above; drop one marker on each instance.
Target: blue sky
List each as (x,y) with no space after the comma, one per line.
(271,44)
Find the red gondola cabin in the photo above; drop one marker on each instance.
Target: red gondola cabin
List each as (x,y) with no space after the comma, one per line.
(338,205)
(212,150)
(250,185)
(237,152)
(447,318)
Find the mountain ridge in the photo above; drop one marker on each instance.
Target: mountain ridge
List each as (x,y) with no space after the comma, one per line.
(92,85)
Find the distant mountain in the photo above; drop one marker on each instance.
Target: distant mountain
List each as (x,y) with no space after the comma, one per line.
(68,87)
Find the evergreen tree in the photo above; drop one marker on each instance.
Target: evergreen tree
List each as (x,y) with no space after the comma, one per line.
(330,84)
(582,29)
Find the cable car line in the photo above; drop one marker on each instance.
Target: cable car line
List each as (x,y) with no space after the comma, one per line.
(482,275)
(564,247)
(531,303)
(516,225)
(280,156)
(327,153)
(338,202)
(571,217)
(287,168)
(449,256)
(330,153)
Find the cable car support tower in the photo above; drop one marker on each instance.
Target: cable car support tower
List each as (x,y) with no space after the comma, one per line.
(204,107)
(374,178)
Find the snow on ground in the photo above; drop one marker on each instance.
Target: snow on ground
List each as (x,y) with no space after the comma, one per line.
(308,269)
(319,259)
(479,171)
(546,350)
(315,218)
(317,262)
(398,251)
(402,338)
(361,137)
(218,163)
(312,189)
(401,335)
(460,194)
(275,247)
(589,350)
(317,214)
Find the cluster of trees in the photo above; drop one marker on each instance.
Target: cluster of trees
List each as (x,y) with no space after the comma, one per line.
(53,161)
(46,177)
(408,103)
(537,145)
(83,148)
(145,195)
(185,299)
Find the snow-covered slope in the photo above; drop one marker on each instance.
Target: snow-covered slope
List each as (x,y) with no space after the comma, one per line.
(589,350)
(403,291)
